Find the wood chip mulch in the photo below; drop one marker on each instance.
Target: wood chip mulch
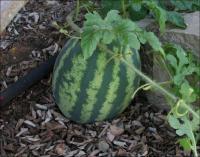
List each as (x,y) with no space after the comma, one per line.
(43,131)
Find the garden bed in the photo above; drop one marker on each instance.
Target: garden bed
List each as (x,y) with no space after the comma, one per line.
(32,125)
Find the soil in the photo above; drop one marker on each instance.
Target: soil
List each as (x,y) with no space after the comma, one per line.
(32,125)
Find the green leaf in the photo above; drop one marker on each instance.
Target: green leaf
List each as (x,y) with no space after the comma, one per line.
(89,42)
(178,79)
(136,10)
(196,5)
(183,128)
(182,4)
(185,143)
(93,19)
(181,56)
(195,122)
(110,5)
(136,4)
(176,19)
(173,121)
(141,36)
(159,13)
(96,29)
(112,16)
(108,37)
(172,60)
(125,33)
(133,41)
(154,42)
(187,92)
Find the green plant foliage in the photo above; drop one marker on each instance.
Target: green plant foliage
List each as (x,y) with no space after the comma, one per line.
(187,127)
(137,10)
(158,12)
(186,5)
(114,28)
(107,5)
(176,19)
(185,143)
(181,67)
(161,10)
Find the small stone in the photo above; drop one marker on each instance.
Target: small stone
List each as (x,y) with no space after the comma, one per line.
(103,146)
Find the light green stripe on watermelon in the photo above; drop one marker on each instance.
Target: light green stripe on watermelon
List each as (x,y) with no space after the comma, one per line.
(69,90)
(111,93)
(93,89)
(65,53)
(130,74)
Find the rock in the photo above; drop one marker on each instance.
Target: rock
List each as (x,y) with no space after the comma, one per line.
(188,38)
(103,146)
(8,11)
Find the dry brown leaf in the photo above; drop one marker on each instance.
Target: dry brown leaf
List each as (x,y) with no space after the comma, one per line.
(115,130)
(110,136)
(60,149)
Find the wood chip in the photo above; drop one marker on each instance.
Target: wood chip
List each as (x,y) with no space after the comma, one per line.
(42,107)
(28,122)
(119,143)
(115,130)
(60,149)
(22,131)
(110,136)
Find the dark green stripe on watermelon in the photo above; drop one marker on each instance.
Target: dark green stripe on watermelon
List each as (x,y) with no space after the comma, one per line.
(86,79)
(135,61)
(64,64)
(101,95)
(121,92)
(63,60)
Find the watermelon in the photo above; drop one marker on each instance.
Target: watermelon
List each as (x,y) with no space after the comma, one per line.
(95,89)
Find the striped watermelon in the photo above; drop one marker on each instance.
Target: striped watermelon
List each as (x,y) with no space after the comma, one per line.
(95,89)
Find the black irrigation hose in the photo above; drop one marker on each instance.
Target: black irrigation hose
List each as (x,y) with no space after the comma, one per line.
(27,81)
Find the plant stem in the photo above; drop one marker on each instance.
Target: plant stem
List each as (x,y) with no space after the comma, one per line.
(72,24)
(123,8)
(146,78)
(77,8)
(146,85)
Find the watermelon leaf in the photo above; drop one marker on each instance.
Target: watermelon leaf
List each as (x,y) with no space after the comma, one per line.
(154,42)
(176,19)
(182,5)
(89,42)
(158,12)
(185,127)
(112,27)
(185,143)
